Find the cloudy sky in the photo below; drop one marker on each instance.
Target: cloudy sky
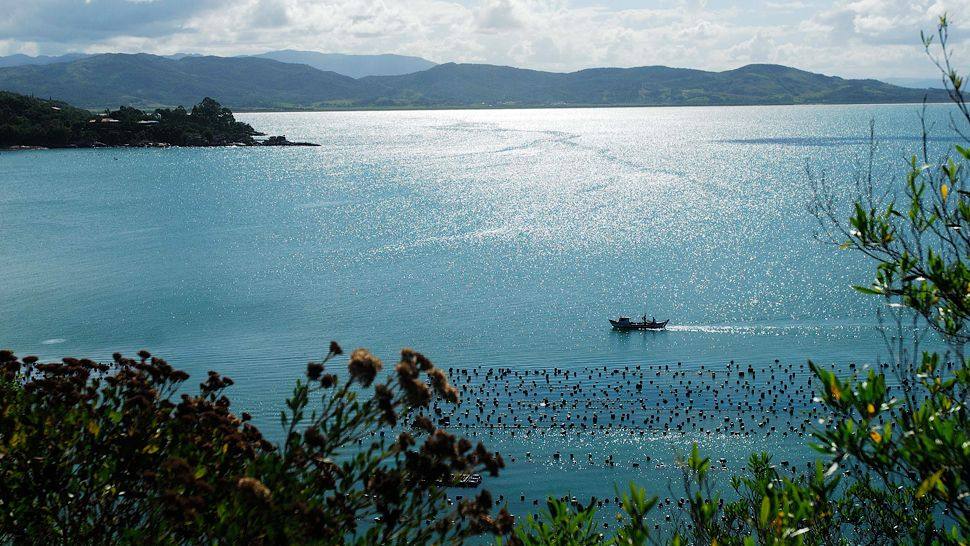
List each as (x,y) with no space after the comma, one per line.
(851,38)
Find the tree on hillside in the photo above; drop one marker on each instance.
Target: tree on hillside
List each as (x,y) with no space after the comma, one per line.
(211,112)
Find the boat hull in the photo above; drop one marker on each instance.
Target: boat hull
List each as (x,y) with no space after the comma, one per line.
(617,325)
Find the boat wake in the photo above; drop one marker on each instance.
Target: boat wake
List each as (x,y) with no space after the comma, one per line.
(762,329)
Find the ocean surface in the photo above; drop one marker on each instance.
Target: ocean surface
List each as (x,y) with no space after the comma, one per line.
(487,240)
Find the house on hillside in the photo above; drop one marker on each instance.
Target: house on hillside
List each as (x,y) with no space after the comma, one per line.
(103,118)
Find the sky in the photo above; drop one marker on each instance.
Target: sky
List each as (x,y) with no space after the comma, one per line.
(849,38)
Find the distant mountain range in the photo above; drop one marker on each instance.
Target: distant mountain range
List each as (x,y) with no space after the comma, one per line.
(23,60)
(147,81)
(20,59)
(355,66)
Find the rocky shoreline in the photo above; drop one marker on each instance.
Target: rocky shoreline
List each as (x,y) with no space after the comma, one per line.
(271,141)
(281,141)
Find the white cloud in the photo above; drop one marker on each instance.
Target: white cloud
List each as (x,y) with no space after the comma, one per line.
(499,15)
(786,6)
(11,47)
(846,37)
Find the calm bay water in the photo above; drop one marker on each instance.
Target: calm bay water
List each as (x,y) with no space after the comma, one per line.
(482,238)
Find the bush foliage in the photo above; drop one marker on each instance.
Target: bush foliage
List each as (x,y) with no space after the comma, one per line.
(110,453)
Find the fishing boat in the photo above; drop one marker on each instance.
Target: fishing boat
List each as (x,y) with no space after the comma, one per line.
(624,323)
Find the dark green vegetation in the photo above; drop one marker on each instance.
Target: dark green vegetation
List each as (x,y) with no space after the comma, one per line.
(110,453)
(258,83)
(28,121)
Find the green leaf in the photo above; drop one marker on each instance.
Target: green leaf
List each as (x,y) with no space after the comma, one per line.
(928,483)
(765,511)
(867,290)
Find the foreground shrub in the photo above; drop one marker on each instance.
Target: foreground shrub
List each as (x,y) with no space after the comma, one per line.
(111,453)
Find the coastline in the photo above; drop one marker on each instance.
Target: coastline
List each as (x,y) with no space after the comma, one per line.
(434,107)
(281,140)
(244,110)
(270,142)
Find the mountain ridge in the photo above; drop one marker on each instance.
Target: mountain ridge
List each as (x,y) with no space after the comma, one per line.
(145,80)
(255,83)
(355,66)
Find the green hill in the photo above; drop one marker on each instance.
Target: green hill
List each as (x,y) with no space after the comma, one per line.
(468,84)
(355,66)
(149,81)
(26,121)
(255,83)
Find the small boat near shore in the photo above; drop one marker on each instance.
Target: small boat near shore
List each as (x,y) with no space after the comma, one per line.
(624,323)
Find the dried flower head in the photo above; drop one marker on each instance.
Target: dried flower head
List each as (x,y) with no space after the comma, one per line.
(385,401)
(313,370)
(441,385)
(423,362)
(363,366)
(423,423)
(256,488)
(416,392)
(406,370)
(491,461)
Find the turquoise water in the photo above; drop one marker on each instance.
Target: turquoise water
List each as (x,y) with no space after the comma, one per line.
(485,239)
